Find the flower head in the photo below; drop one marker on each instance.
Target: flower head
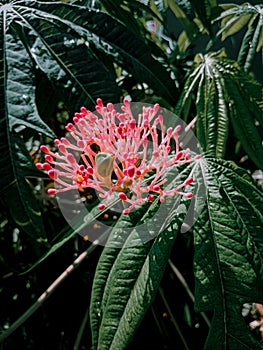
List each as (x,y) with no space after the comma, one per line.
(112,152)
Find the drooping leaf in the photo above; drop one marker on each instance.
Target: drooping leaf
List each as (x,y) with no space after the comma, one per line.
(232,24)
(130,269)
(15,162)
(148,281)
(107,259)
(228,261)
(228,253)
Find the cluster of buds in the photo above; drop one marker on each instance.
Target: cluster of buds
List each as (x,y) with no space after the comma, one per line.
(114,153)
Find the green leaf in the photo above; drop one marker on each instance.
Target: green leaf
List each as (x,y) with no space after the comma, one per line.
(15,162)
(228,259)
(21,106)
(245,45)
(186,97)
(68,60)
(224,93)
(236,17)
(106,34)
(244,123)
(233,24)
(255,45)
(205,11)
(191,28)
(228,253)
(147,282)
(103,271)
(130,269)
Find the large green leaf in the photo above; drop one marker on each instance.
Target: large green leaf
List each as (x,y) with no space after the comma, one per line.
(98,302)
(15,162)
(224,93)
(125,284)
(228,260)
(20,91)
(65,57)
(130,269)
(236,17)
(96,29)
(228,253)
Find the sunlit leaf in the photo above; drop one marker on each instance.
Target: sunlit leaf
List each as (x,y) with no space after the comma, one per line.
(236,17)
(224,94)
(130,269)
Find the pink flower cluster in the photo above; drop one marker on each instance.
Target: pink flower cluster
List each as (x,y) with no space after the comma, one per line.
(115,152)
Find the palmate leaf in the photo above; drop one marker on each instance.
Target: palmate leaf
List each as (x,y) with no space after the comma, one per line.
(224,94)
(234,18)
(147,281)
(228,260)
(67,59)
(228,253)
(97,31)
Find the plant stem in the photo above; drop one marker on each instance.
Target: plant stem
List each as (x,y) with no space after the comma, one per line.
(173,320)
(81,330)
(188,290)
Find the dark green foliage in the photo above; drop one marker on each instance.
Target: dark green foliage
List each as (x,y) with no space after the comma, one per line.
(130,269)
(228,262)
(228,259)
(61,55)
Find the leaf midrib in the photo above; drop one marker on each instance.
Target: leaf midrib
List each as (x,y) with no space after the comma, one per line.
(218,262)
